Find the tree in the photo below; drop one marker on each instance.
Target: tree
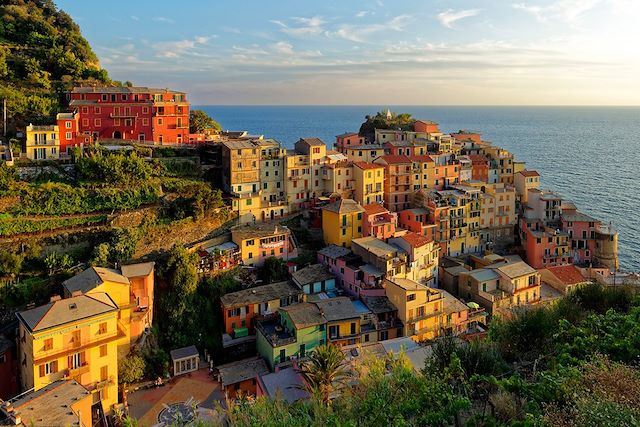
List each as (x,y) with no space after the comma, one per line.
(324,371)
(10,264)
(131,368)
(101,255)
(199,121)
(274,270)
(123,244)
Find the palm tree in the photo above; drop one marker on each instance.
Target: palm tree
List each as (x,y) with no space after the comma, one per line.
(324,371)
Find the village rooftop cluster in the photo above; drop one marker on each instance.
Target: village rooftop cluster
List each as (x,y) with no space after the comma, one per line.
(426,233)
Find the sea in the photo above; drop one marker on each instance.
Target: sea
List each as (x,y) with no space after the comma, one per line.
(587,154)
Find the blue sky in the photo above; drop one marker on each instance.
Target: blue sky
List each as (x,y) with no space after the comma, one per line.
(442,52)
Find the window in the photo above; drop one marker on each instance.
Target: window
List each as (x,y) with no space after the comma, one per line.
(97,122)
(102,328)
(48,368)
(104,97)
(103,350)
(48,344)
(250,255)
(97,110)
(104,373)
(67,135)
(67,125)
(411,297)
(234,312)
(75,360)
(334,332)
(159,120)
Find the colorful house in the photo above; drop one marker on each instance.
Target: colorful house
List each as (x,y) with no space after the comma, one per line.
(422,259)
(61,403)
(73,338)
(297,330)
(389,260)
(239,379)
(69,132)
(417,220)
(133,113)
(131,289)
(397,181)
(368,183)
(342,222)
(42,142)
(388,324)
(347,140)
(314,279)
(379,222)
(563,278)
(524,181)
(261,241)
(8,368)
(352,274)
(241,309)
(420,308)
(343,321)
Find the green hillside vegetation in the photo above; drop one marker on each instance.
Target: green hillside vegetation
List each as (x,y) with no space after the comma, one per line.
(402,121)
(42,55)
(571,364)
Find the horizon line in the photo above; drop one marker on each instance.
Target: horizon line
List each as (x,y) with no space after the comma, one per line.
(426,105)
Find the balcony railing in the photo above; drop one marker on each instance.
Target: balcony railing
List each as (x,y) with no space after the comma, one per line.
(76,372)
(44,356)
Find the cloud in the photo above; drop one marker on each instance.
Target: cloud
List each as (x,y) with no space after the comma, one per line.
(362,13)
(163,20)
(450,16)
(362,33)
(176,48)
(135,18)
(305,26)
(568,11)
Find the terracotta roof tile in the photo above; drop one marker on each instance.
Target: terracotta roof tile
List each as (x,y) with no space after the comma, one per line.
(394,159)
(415,240)
(567,274)
(365,165)
(374,208)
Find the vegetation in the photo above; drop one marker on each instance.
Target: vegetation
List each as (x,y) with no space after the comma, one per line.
(324,371)
(131,368)
(42,54)
(199,121)
(401,121)
(13,226)
(571,364)
(274,270)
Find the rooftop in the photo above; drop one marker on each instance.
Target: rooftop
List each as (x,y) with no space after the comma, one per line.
(365,165)
(312,274)
(344,206)
(304,315)
(577,216)
(410,285)
(379,305)
(239,144)
(516,269)
(567,274)
(271,292)
(184,352)
(346,134)
(66,310)
(415,240)
(452,304)
(529,173)
(375,208)
(121,89)
(312,141)
(391,159)
(138,270)
(51,405)
(334,251)
(375,246)
(421,158)
(258,231)
(242,370)
(483,274)
(286,383)
(339,308)
(93,277)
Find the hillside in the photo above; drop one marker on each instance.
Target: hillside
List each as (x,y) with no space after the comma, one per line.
(42,55)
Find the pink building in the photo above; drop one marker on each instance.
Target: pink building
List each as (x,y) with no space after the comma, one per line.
(544,246)
(352,274)
(379,222)
(348,140)
(582,230)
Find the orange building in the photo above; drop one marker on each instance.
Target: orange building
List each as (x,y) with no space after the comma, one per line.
(397,181)
(348,140)
(426,126)
(378,222)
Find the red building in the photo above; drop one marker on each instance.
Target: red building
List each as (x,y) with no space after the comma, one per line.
(348,140)
(465,135)
(479,167)
(70,136)
(132,113)
(426,126)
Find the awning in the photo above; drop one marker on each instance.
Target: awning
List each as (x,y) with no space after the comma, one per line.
(473,305)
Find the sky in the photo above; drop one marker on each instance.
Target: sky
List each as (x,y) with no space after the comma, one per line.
(384,52)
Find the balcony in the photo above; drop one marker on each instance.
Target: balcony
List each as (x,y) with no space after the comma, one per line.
(83,344)
(76,372)
(276,334)
(425,316)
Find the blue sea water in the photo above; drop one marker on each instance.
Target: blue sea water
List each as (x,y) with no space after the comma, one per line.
(585,153)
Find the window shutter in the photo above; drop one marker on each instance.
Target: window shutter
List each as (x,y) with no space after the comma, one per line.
(41,370)
(54,366)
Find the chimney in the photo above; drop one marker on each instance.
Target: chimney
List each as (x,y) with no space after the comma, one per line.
(55,298)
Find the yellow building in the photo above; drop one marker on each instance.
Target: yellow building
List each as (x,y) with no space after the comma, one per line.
(501,286)
(272,197)
(43,142)
(241,177)
(261,241)
(338,179)
(364,153)
(422,253)
(502,161)
(303,172)
(524,181)
(368,183)
(74,338)
(461,230)
(423,172)
(131,290)
(343,321)
(342,222)
(420,308)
